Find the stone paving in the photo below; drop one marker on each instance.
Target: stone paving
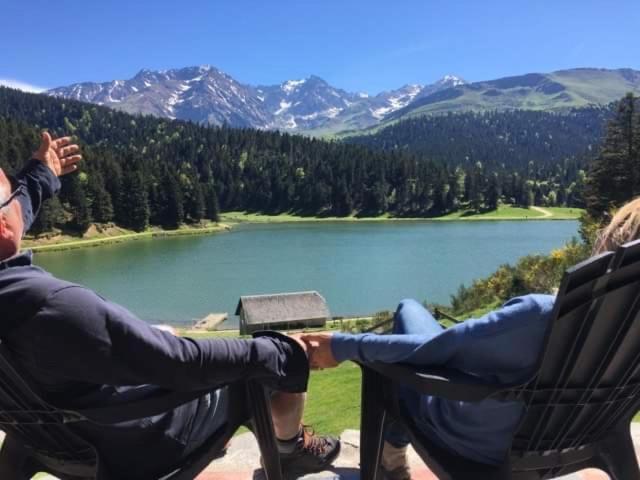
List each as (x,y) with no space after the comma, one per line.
(242,462)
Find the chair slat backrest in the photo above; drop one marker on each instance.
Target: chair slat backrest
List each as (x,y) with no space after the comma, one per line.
(41,427)
(588,380)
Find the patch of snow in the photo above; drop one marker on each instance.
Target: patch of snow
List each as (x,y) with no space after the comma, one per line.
(260,98)
(134,88)
(183,87)
(291,123)
(329,113)
(455,81)
(173,100)
(379,113)
(363,94)
(146,83)
(110,99)
(283,107)
(311,116)
(290,85)
(396,102)
(414,89)
(332,112)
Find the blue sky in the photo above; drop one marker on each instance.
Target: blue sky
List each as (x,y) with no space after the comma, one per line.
(353,44)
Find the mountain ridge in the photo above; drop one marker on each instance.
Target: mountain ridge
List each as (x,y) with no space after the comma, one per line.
(205,94)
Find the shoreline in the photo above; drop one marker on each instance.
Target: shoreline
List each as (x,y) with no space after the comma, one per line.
(41,246)
(229,219)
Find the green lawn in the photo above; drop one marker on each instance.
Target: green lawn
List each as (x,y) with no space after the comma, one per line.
(508,212)
(333,400)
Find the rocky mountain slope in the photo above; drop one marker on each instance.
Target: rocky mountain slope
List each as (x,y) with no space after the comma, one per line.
(206,94)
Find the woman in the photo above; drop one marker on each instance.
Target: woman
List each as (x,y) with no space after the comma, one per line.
(501,346)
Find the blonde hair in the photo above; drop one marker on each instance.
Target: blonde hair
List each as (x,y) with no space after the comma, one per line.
(623,227)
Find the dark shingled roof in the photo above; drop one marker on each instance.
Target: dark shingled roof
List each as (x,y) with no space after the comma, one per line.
(283,307)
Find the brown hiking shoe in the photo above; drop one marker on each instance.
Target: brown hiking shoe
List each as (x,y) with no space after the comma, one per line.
(394,464)
(312,453)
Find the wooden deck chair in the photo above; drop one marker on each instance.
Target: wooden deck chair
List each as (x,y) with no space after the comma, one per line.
(578,404)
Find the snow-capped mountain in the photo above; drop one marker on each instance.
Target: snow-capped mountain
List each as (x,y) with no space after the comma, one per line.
(305,104)
(201,94)
(205,94)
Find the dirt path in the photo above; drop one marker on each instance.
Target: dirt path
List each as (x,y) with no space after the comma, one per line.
(545,213)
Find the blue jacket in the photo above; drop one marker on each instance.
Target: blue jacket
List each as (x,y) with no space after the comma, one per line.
(500,347)
(83,351)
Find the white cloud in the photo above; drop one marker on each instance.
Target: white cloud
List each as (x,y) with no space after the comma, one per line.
(25,87)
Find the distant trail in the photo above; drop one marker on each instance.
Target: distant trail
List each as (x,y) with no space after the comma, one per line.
(545,213)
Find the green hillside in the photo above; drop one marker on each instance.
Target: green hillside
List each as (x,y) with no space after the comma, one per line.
(557,91)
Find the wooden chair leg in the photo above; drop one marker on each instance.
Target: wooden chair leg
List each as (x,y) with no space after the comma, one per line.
(371,423)
(15,461)
(618,457)
(259,406)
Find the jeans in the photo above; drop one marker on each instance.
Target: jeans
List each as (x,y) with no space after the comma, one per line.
(212,413)
(410,318)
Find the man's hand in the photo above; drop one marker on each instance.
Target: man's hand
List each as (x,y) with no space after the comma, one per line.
(60,155)
(298,338)
(319,348)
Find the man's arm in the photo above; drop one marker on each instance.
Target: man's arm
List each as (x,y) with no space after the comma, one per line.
(87,338)
(39,177)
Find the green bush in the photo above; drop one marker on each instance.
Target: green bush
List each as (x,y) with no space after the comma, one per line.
(531,274)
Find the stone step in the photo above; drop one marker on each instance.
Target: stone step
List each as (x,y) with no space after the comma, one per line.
(242,462)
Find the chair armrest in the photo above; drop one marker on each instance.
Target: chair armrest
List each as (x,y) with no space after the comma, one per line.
(440,382)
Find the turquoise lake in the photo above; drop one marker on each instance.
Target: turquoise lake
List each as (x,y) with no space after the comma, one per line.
(360,268)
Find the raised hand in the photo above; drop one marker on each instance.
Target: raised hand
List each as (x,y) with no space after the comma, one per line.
(319,350)
(60,155)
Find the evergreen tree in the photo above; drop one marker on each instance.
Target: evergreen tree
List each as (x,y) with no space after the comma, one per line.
(50,216)
(613,177)
(493,192)
(211,203)
(79,204)
(172,213)
(134,201)
(101,206)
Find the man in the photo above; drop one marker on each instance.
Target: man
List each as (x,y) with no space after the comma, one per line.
(85,352)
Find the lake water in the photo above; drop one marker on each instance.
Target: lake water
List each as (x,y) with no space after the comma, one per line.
(360,268)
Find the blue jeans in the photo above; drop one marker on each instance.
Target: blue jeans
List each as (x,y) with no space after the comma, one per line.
(410,318)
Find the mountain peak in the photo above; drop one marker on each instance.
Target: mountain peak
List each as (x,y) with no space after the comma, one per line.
(292,85)
(452,80)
